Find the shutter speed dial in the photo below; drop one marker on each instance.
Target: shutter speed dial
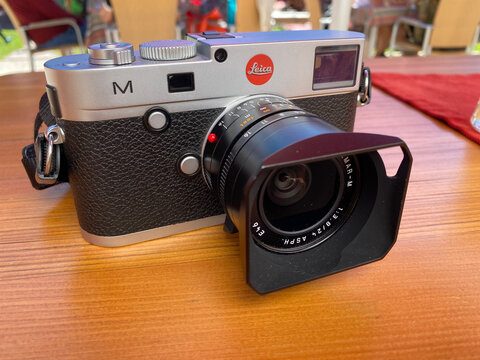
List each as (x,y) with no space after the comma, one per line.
(168,50)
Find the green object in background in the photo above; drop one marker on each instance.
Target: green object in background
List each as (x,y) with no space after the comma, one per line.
(15,43)
(76,7)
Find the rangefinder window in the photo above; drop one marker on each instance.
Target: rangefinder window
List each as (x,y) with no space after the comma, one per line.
(335,66)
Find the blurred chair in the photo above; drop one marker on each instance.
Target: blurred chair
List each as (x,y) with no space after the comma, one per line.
(248,17)
(145,20)
(311,14)
(367,16)
(455,25)
(315,10)
(28,43)
(7,39)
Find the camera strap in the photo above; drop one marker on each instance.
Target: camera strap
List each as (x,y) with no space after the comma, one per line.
(43,160)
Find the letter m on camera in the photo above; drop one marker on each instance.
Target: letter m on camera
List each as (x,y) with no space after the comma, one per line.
(118,88)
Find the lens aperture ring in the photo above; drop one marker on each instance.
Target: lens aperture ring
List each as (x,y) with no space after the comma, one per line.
(232,125)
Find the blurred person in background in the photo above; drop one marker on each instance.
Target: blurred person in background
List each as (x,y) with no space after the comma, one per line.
(196,16)
(426,10)
(99,16)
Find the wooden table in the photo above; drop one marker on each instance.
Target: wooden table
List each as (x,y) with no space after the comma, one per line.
(185,296)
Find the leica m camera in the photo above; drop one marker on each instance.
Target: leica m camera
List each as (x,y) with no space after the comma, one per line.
(253,130)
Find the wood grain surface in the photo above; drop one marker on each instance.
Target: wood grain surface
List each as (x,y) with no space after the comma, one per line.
(185,297)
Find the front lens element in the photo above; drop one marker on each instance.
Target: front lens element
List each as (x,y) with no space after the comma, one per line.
(295,199)
(288,185)
(300,206)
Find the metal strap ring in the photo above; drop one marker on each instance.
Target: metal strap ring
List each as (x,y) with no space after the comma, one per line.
(48,160)
(57,132)
(364,98)
(366,94)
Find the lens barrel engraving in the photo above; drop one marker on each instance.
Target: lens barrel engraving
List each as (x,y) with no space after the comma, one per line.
(308,222)
(233,124)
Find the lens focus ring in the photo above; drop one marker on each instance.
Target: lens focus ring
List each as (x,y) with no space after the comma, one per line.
(225,168)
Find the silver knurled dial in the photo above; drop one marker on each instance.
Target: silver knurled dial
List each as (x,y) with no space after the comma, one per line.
(111,54)
(168,50)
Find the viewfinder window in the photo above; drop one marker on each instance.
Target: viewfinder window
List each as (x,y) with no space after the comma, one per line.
(335,66)
(181,82)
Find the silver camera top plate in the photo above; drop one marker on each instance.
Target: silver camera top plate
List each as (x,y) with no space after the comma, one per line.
(282,63)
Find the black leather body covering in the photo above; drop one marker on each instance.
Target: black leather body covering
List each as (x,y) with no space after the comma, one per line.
(125,178)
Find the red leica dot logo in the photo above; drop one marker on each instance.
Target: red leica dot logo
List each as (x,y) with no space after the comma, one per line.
(259,69)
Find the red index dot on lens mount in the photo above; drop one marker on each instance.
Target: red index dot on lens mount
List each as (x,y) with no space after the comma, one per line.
(212,138)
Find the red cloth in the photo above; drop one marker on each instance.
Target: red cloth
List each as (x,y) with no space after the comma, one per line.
(28,11)
(451,98)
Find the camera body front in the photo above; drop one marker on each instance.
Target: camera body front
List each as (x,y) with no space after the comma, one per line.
(132,129)
(254,126)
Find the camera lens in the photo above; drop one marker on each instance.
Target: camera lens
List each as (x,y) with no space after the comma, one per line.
(288,185)
(289,204)
(307,198)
